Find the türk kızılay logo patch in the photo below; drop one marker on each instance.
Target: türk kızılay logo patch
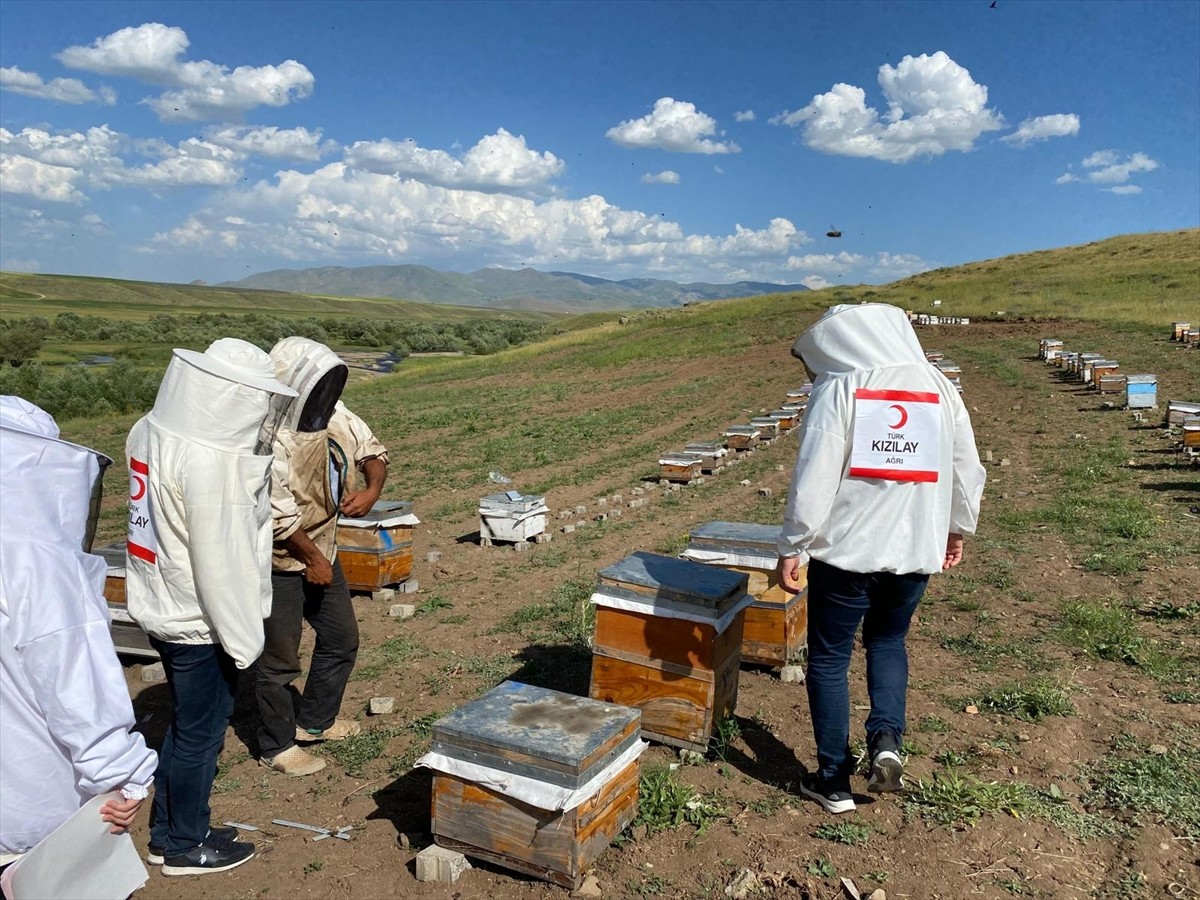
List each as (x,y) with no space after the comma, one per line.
(142,543)
(897,435)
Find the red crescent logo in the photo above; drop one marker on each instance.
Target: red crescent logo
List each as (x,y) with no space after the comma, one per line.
(140,491)
(903,415)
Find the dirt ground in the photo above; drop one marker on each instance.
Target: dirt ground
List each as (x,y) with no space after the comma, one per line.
(1011,587)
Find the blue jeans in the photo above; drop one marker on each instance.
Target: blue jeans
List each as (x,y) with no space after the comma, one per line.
(837,602)
(202,679)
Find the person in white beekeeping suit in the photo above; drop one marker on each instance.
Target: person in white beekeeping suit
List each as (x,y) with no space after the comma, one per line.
(327,461)
(887,482)
(65,713)
(198,578)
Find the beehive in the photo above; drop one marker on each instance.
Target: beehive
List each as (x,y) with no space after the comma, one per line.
(1102,367)
(741,437)
(376,550)
(1141,391)
(711,453)
(768,427)
(534,780)
(934,355)
(787,419)
(1178,411)
(776,629)
(127,635)
(1064,358)
(1179,329)
(1191,435)
(680,467)
(512,517)
(1084,368)
(1110,383)
(1049,348)
(668,641)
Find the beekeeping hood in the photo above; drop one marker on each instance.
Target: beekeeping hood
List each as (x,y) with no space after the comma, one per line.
(849,338)
(51,486)
(316,374)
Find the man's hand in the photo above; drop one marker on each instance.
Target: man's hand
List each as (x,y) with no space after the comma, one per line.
(789,574)
(954,551)
(358,503)
(120,813)
(317,569)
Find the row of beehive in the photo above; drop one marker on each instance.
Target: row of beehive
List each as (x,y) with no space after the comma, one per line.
(1185,333)
(540,781)
(925,319)
(1104,375)
(708,457)
(952,370)
(375,550)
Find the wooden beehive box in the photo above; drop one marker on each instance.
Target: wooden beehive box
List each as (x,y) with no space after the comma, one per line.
(1191,435)
(768,427)
(1178,411)
(741,437)
(558,744)
(376,550)
(1102,367)
(1049,348)
(127,635)
(668,641)
(934,355)
(1179,329)
(1063,360)
(787,419)
(1141,391)
(1110,383)
(681,467)
(711,453)
(1084,367)
(776,629)
(512,517)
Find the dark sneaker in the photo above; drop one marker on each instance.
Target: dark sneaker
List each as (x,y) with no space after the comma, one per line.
(887,769)
(835,800)
(154,853)
(214,855)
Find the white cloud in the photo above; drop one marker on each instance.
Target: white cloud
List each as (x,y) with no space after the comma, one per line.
(934,106)
(824,262)
(62,90)
(1042,128)
(56,166)
(666,176)
(500,161)
(814,282)
(897,265)
(21,265)
(298,144)
(746,115)
(199,90)
(674,125)
(343,212)
(718,170)
(1107,167)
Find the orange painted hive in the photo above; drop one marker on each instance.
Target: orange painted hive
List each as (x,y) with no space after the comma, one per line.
(376,550)
(776,629)
(534,780)
(668,641)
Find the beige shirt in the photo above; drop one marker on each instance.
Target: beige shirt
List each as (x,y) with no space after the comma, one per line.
(301,493)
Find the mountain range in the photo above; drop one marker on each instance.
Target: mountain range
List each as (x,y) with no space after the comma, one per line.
(502,288)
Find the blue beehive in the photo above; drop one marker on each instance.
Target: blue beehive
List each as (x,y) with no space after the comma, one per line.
(1141,391)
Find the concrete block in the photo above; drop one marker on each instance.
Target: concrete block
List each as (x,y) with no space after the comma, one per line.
(581,510)
(615,514)
(1004,463)
(650,487)
(792,674)
(383,595)
(636,504)
(565,513)
(402,611)
(765,492)
(601,517)
(381,706)
(582,523)
(616,500)
(673,486)
(602,503)
(637,492)
(745,482)
(521,546)
(154,672)
(433,556)
(699,480)
(409,587)
(436,863)
(567,529)
(988,456)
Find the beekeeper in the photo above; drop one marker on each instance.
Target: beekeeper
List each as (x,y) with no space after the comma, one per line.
(65,715)
(327,461)
(886,484)
(198,574)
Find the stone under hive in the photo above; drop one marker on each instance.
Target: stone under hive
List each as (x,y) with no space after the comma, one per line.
(776,629)
(512,517)
(534,780)
(376,550)
(127,635)
(668,641)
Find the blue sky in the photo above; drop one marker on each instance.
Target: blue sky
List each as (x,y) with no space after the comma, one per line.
(690,141)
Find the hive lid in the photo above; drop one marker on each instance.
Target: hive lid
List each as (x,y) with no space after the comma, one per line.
(745,430)
(764,422)
(1141,379)
(707,448)
(511,501)
(736,535)
(381,512)
(702,588)
(559,738)
(680,459)
(783,414)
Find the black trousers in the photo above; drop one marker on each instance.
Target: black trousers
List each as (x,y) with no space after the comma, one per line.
(282,708)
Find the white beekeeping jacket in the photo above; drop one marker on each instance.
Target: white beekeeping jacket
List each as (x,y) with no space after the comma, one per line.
(65,714)
(199,559)
(845,508)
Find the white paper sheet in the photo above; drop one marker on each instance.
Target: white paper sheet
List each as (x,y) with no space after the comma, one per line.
(662,611)
(408,519)
(746,559)
(530,790)
(80,859)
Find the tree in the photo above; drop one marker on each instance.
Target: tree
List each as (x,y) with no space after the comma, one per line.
(19,343)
